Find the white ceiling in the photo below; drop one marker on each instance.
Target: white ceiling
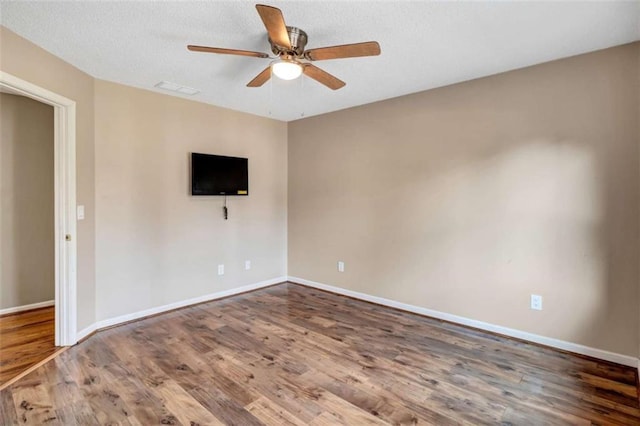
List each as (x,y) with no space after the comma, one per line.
(424,44)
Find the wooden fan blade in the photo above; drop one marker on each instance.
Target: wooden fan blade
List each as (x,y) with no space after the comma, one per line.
(368,48)
(207,49)
(261,78)
(274,22)
(323,77)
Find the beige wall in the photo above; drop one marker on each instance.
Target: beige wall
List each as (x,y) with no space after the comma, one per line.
(156,244)
(27,61)
(26,210)
(469,198)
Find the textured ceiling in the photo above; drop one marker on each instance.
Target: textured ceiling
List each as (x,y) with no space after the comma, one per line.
(424,44)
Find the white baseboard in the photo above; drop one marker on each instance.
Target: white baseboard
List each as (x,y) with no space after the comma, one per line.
(547,341)
(85,332)
(181,304)
(22,308)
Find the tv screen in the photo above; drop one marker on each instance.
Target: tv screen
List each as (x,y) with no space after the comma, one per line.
(219,175)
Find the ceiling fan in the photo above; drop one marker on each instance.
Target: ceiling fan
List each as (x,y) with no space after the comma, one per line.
(288,44)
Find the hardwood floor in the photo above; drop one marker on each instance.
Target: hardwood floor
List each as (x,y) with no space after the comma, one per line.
(26,338)
(293,355)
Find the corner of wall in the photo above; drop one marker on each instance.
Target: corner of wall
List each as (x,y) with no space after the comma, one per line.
(638,195)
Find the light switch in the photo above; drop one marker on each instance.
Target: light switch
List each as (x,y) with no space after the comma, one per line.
(80,213)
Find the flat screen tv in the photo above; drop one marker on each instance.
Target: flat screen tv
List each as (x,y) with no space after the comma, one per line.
(219,175)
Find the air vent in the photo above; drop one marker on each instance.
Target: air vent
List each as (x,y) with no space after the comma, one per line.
(173,87)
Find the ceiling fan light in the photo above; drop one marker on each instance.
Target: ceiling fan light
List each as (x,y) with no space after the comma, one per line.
(286,70)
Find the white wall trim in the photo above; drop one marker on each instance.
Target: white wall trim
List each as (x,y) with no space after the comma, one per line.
(181,304)
(86,331)
(510,332)
(29,307)
(64,201)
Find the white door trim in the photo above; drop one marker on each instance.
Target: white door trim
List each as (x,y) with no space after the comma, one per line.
(65,202)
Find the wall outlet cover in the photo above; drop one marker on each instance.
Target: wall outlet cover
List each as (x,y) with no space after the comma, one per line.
(536,302)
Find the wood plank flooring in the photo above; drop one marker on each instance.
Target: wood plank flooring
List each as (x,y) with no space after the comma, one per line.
(290,355)
(26,338)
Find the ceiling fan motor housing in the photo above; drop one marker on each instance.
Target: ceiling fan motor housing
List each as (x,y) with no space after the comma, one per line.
(298,39)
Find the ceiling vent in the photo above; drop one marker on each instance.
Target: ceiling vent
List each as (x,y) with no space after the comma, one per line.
(173,87)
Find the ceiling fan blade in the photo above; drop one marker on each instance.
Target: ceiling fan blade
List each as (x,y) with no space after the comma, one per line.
(368,48)
(274,22)
(323,77)
(261,78)
(207,49)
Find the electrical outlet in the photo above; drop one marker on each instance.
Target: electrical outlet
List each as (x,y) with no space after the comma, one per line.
(220,269)
(536,302)
(340,266)
(247,265)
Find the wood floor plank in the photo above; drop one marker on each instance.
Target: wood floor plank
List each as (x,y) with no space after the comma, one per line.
(18,319)
(143,405)
(33,403)
(8,412)
(263,375)
(26,338)
(98,386)
(77,413)
(373,399)
(184,408)
(269,413)
(293,355)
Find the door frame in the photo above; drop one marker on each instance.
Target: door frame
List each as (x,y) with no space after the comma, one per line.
(64,205)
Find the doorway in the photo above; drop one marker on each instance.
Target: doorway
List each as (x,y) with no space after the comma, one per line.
(64,114)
